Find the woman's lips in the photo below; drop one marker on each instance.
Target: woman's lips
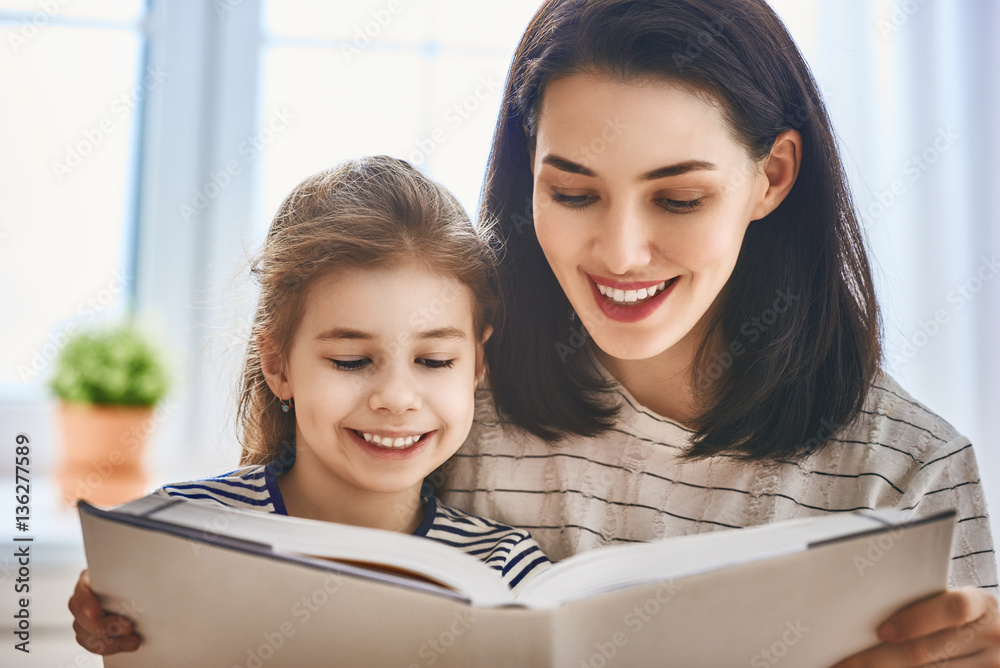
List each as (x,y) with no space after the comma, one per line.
(630,311)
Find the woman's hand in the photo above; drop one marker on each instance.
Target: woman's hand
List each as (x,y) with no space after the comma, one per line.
(97,631)
(958,628)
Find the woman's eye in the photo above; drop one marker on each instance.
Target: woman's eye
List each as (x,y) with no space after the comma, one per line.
(352,364)
(679,206)
(575,201)
(436,364)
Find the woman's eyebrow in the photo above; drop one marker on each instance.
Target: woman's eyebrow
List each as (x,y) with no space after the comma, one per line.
(565,165)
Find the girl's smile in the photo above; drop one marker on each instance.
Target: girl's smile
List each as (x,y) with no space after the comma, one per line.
(383,368)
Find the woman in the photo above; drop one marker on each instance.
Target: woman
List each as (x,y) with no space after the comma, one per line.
(692,340)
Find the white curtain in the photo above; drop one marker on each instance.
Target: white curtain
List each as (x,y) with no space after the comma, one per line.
(913,87)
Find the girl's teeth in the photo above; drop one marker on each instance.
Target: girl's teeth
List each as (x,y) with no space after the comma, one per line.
(387,442)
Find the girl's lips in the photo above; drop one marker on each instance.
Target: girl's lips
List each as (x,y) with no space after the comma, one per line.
(386,453)
(631,312)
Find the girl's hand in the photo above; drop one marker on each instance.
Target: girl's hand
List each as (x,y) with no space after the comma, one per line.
(97,631)
(958,628)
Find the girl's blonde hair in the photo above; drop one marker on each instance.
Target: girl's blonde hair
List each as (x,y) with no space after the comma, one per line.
(370,212)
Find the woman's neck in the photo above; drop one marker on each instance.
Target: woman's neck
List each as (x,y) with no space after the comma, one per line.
(664,383)
(310,491)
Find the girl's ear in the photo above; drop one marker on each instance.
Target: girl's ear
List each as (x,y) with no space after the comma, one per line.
(273,368)
(481,353)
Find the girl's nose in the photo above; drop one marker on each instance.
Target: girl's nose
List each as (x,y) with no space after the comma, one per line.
(395,391)
(622,242)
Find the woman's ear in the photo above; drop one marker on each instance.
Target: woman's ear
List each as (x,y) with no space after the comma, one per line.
(273,368)
(781,168)
(481,354)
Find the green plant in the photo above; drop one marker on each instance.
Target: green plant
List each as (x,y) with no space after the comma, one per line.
(111,365)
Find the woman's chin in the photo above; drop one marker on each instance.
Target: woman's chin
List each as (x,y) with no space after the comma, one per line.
(633,348)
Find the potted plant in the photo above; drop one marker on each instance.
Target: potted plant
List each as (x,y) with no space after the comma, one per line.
(108,381)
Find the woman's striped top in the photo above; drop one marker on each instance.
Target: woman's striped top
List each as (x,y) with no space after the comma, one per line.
(629,484)
(513,553)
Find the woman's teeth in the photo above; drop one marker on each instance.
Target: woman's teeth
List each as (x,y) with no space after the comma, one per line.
(630,296)
(388,442)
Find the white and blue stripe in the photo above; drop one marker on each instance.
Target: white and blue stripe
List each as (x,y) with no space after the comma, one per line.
(512,552)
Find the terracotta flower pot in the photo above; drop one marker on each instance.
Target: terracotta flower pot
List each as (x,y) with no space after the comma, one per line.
(102,455)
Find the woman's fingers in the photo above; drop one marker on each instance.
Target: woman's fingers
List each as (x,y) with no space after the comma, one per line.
(97,631)
(973,643)
(952,647)
(947,610)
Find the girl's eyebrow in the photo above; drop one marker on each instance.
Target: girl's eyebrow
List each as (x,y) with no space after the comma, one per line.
(344,333)
(565,165)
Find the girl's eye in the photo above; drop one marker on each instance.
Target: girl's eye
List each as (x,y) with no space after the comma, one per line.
(436,364)
(351,365)
(679,206)
(574,201)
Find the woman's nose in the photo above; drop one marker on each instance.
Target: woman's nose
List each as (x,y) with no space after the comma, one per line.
(622,241)
(395,391)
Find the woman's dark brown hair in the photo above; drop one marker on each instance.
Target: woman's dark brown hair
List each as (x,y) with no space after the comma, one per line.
(805,372)
(366,213)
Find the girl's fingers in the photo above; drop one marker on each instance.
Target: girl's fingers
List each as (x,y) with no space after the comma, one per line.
(947,610)
(104,645)
(84,599)
(97,631)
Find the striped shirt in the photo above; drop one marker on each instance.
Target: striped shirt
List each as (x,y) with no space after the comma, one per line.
(511,552)
(629,484)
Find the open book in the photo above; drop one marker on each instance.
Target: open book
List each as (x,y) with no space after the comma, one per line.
(209,585)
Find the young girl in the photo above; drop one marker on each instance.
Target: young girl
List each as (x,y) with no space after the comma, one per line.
(365,352)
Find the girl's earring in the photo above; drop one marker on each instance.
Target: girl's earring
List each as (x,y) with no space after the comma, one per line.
(287,407)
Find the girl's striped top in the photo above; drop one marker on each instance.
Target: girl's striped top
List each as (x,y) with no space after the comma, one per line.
(629,484)
(513,553)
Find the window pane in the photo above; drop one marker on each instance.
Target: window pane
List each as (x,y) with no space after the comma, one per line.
(356,21)
(338,111)
(109,10)
(63,187)
(482,24)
